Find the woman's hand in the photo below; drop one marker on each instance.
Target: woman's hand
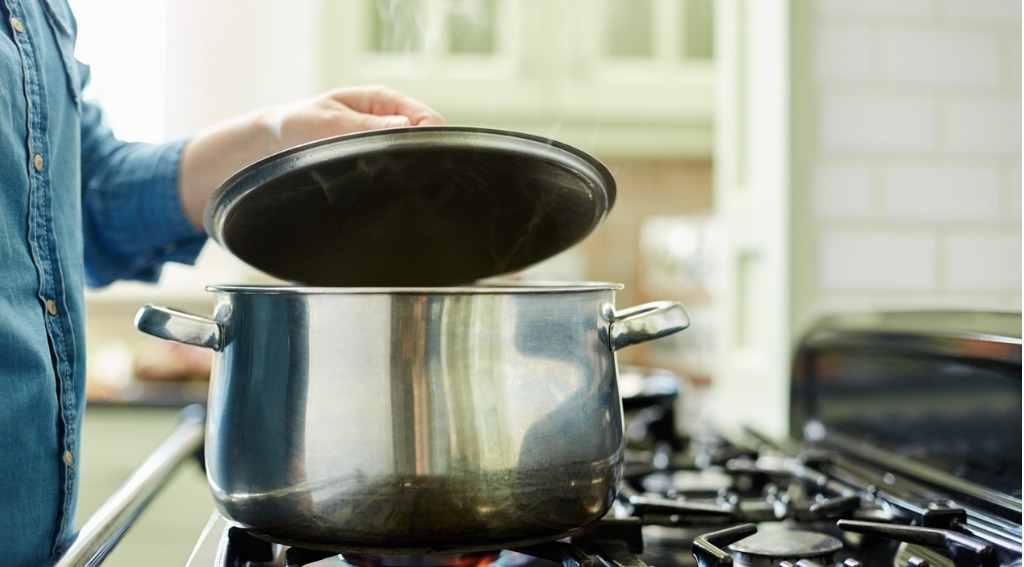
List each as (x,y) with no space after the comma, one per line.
(216,153)
(345,111)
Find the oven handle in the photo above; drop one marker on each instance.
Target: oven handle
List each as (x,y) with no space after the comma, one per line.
(107,526)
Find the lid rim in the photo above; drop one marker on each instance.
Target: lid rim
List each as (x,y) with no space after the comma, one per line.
(541,167)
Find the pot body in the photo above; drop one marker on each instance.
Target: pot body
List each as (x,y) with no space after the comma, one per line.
(416,421)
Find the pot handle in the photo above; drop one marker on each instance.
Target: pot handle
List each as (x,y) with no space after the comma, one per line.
(647,322)
(174,325)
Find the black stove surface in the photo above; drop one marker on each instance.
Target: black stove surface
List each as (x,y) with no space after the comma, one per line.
(752,501)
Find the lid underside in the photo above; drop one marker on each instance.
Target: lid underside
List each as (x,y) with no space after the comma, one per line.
(419,207)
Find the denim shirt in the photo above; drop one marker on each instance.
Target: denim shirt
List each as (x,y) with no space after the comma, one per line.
(77,206)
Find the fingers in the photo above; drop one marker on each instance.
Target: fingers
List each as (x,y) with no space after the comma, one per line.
(387,102)
(374,122)
(344,111)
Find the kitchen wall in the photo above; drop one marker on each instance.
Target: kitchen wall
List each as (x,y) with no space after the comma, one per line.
(907,144)
(867,156)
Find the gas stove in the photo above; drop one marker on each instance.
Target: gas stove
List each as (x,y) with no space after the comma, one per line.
(907,455)
(744,501)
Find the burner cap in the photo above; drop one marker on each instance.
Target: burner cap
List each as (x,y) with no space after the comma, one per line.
(770,547)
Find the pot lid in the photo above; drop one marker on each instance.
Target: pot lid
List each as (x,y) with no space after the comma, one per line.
(419,206)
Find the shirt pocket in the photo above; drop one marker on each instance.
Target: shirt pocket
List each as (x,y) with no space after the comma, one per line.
(64,27)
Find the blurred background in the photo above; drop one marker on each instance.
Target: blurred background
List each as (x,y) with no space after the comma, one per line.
(775,161)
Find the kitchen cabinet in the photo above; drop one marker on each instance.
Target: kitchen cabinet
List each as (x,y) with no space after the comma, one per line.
(116,440)
(755,295)
(624,78)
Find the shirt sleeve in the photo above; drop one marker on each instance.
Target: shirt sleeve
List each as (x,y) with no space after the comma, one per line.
(132,220)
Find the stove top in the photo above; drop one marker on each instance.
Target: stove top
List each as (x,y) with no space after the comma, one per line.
(906,455)
(746,501)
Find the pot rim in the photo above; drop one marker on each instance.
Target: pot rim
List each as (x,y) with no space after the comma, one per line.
(484,288)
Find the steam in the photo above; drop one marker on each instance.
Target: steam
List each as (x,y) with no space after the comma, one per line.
(408,26)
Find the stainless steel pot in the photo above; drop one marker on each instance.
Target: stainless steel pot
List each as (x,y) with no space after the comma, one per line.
(405,420)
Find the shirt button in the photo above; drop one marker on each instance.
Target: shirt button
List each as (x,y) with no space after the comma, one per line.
(51,307)
(16,23)
(37,161)
(69,459)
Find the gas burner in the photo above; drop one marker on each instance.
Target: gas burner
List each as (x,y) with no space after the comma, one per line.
(615,540)
(424,560)
(744,546)
(769,548)
(241,548)
(709,481)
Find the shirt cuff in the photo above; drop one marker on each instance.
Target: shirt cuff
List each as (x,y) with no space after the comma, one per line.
(134,222)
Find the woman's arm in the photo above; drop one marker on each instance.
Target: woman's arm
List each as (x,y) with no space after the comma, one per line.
(216,153)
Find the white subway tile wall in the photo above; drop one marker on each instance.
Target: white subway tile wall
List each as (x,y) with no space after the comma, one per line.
(844,191)
(942,193)
(877,123)
(1012,51)
(967,10)
(984,127)
(929,57)
(844,54)
(877,260)
(1012,207)
(983,262)
(916,173)
(876,8)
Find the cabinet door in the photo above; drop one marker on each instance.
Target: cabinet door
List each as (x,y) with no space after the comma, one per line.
(642,70)
(615,77)
(475,59)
